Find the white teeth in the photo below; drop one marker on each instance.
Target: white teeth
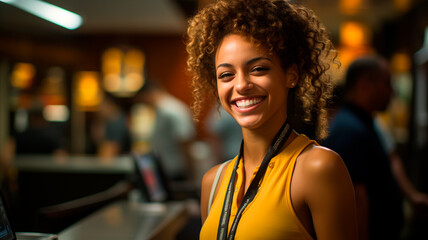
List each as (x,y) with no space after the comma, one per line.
(248,102)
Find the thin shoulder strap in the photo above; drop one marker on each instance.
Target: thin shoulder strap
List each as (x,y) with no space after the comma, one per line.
(215,183)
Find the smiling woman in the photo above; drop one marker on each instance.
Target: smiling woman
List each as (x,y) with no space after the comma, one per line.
(311,52)
(265,62)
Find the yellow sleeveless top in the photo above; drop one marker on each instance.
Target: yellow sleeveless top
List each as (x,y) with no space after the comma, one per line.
(271,214)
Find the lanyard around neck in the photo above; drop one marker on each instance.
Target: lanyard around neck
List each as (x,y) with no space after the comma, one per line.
(276,145)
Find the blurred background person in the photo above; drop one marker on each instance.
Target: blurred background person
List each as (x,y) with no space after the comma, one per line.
(37,136)
(109,130)
(173,131)
(377,172)
(34,135)
(225,132)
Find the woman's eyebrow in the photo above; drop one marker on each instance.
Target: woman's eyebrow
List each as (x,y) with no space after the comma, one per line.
(224,65)
(249,62)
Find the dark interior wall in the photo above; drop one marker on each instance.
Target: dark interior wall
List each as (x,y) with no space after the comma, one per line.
(165,56)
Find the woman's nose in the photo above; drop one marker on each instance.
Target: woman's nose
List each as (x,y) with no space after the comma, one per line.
(243,82)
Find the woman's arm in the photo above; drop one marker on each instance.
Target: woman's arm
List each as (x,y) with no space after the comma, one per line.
(329,195)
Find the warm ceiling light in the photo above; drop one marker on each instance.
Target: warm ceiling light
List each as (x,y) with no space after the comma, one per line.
(123,71)
(23,75)
(87,91)
(49,12)
(354,34)
(112,61)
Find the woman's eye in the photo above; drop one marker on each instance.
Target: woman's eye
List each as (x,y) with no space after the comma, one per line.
(224,75)
(259,69)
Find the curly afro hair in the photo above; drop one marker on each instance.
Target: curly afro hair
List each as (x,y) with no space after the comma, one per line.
(291,32)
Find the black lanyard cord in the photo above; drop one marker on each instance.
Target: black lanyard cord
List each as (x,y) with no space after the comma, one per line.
(276,145)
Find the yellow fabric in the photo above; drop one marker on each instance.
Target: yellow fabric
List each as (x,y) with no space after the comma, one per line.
(270,215)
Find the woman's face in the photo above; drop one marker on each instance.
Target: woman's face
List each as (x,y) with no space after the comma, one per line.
(251,84)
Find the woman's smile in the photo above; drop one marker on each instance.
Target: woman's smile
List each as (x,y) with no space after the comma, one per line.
(247,103)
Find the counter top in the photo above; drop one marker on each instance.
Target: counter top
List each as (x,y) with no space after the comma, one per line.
(70,164)
(129,220)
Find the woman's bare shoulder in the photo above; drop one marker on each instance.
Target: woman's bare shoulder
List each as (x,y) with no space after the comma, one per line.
(209,176)
(318,161)
(327,190)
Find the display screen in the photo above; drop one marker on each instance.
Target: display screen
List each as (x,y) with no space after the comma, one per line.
(6,232)
(152,180)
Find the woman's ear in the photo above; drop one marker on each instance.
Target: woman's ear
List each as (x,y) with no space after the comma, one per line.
(292,76)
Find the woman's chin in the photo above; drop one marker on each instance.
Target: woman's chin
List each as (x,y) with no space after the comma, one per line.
(249,122)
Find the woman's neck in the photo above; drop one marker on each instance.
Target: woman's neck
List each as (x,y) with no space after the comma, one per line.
(255,146)
(257,142)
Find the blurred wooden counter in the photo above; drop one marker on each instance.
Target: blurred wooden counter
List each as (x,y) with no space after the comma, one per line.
(74,164)
(129,220)
(47,180)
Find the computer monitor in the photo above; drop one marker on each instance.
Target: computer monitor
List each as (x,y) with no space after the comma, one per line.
(150,177)
(6,231)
